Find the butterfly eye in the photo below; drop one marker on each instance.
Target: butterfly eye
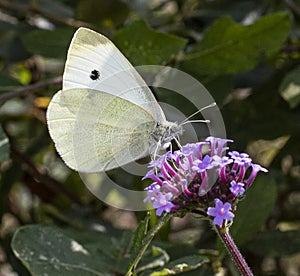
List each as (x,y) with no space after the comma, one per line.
(95,75)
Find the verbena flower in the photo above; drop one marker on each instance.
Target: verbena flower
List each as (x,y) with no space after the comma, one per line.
(237,188)
(201,178)
(221,212)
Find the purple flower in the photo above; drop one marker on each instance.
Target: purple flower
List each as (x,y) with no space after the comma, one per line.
(217,145)
(255,169)
(202,165)
(151,174)
(153,187)
(187,163)
(176,156)
(237,188)
(163,203)
(184,187)
(170,187)
(159,161)
(189,149)
(189,179)
(152,192)
(235,154)
(241,159)
(220,212)
(193,150)
(221,161)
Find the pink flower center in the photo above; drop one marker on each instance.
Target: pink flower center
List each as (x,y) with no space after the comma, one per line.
(221,211)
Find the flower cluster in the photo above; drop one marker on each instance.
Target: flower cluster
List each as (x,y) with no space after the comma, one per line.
(189,180)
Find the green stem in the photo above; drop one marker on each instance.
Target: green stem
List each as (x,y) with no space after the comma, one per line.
(234,251)
(146,241)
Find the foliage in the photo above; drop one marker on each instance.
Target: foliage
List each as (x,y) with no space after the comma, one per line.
(246,53)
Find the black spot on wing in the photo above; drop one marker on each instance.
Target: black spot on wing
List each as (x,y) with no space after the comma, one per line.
(95,74)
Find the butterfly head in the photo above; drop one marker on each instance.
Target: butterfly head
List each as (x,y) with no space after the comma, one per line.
(166,132)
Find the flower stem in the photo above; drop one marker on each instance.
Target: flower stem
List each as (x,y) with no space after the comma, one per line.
(146,241)
(234,251)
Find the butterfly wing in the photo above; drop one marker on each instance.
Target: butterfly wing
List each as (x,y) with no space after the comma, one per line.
(94,62)
(95,131)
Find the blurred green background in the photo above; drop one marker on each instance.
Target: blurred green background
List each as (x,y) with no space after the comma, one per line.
(246,53)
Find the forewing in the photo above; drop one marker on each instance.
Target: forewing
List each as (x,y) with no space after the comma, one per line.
(91,55)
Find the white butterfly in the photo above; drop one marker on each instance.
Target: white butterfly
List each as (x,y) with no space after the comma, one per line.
(105,116)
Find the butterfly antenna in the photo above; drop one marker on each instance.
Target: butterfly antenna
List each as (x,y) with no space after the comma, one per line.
(195,121)
(198,111)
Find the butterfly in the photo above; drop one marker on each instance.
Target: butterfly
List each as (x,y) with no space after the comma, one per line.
(105,116)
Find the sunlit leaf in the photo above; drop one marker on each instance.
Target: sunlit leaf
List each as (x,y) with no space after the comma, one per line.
(290,87)
(264,151)
(183,264)
(47,251)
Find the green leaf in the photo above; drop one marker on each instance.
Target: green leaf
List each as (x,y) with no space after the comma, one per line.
(180,265)
(139,235)
(102,12)
(275,243)
(154,257)
(8,83)
(254,209)
(4,146)
(47,251)
(229,47)
(218,86)
(52,44)
(143,45)
(137,255)
(11,47)
(290,87)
